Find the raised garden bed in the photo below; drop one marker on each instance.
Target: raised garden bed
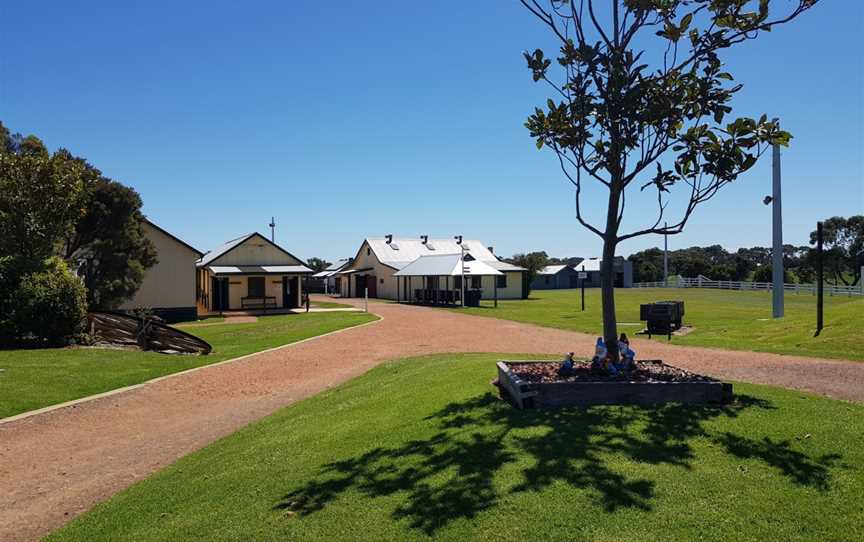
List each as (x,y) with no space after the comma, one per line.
(533,384)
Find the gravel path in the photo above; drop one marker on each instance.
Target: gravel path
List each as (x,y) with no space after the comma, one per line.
(56,465)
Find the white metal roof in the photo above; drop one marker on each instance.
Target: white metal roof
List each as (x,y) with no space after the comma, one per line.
(333,268)
(446,265)
(257,269)
(590,264)
(400,252)
(552,269)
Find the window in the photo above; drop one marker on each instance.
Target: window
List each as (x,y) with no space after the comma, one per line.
(501,281)
(368,251)
(256,287)
(548,279)
(475,282)
(457,282)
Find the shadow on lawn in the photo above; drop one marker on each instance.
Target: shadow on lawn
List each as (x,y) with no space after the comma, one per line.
(450,475)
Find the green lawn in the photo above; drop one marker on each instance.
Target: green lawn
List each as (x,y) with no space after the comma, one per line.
(422,448)
(723,319)
(31,379)
(329,305)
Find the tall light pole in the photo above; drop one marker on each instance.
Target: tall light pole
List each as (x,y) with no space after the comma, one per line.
(777,252)
(461,267)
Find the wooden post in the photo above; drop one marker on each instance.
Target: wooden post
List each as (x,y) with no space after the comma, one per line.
(495,282)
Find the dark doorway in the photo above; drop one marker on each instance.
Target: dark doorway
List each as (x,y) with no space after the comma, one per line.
(290,287)
(255,287)
(220,293)
(372,285)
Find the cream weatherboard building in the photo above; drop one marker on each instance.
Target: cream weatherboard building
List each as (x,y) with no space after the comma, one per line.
(249,273)
(378,258)
(168,288)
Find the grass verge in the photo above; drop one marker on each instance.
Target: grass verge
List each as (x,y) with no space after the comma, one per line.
(721,318)
(36,378)
(422,449)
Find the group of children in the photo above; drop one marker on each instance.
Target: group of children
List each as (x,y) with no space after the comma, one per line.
(603,362)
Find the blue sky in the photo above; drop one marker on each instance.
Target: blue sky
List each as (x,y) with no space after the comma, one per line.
(349,119)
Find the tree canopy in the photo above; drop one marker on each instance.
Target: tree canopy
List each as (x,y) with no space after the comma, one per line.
(655,119)
(56,204)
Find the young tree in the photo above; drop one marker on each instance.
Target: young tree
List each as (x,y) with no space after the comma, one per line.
(624,120)
(533,262)
(317,264)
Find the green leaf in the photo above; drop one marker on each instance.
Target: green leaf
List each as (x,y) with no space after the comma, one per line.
(539,144)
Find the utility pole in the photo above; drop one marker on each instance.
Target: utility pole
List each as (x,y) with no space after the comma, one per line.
(665,257)
(273,229)
(777,252)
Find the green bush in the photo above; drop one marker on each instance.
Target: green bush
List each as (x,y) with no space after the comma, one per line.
(48,305)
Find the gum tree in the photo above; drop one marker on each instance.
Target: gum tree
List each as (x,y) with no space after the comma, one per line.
(653,120)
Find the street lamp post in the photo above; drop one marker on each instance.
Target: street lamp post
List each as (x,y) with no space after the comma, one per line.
(777,230)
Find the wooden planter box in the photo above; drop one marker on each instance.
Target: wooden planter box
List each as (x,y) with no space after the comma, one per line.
(526,394)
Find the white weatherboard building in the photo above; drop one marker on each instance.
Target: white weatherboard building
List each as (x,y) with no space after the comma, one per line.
(379,258)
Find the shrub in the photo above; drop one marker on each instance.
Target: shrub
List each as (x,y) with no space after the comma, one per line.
(49,304)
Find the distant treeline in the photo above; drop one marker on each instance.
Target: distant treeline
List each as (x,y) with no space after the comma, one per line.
(843,241)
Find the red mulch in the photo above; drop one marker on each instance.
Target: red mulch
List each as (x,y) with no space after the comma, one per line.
(646,371)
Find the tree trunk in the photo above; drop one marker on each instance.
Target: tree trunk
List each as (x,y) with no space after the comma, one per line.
(607,275)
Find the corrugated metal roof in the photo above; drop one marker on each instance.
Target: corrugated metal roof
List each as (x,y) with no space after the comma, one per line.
(552,269)
(445,265)
(338,264)
(222,249)
(590,264)
(410,249)
(257,269)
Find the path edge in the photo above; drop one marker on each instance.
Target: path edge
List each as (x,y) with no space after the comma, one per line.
(132,387)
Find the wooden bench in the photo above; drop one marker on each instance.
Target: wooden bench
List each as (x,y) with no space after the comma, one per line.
(266,302)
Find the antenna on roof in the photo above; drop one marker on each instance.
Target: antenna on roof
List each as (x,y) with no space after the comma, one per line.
(458,239)
(425,238)
(273,229)
(389,238)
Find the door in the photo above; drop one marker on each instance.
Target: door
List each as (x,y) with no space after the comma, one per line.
(290,287)
(372,285)
(219,288)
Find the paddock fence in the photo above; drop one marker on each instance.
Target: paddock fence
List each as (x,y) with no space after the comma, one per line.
(705,282)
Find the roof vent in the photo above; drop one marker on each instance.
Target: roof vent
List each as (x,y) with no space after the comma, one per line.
(491,249)
(389,238)
(424,239)
(458,239)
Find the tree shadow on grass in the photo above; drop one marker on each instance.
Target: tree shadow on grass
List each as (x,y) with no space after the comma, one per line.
(451,475)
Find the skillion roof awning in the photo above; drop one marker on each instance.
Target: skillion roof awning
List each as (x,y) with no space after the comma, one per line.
(446,265)
(258,269)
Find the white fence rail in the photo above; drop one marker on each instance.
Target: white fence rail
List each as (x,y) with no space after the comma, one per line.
(705,282)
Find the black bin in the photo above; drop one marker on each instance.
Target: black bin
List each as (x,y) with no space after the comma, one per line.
(472,298)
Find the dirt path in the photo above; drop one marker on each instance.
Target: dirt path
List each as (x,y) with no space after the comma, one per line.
(56,465)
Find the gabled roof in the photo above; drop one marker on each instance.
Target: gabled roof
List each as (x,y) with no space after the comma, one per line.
(173,237)
(402,251)
(333,268)
(446,265)
(225,248)
(552,269)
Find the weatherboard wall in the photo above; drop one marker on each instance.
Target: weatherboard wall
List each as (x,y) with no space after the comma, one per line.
(168,286)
